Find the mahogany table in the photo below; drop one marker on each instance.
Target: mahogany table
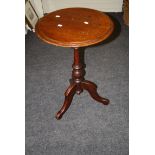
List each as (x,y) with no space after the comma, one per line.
(76,28)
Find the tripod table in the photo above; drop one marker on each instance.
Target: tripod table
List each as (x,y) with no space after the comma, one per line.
(75,28)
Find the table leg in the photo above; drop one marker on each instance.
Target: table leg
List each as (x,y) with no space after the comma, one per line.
(78,84)
(92,89)
(68,99)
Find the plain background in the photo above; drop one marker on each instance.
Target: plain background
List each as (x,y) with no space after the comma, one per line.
(12,77)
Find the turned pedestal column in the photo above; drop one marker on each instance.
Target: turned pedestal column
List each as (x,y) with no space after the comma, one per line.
(78,84)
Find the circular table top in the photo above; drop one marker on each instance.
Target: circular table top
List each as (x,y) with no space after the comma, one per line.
(74,27)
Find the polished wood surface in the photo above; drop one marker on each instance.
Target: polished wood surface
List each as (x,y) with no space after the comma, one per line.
(78,84)
(74,27)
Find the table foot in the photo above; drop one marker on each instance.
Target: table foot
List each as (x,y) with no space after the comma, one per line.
(92,89)
(68,99)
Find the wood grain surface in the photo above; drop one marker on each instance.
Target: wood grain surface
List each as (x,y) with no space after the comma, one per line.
(74,27)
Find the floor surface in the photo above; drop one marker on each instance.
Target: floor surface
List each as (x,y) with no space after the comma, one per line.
(88,127)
